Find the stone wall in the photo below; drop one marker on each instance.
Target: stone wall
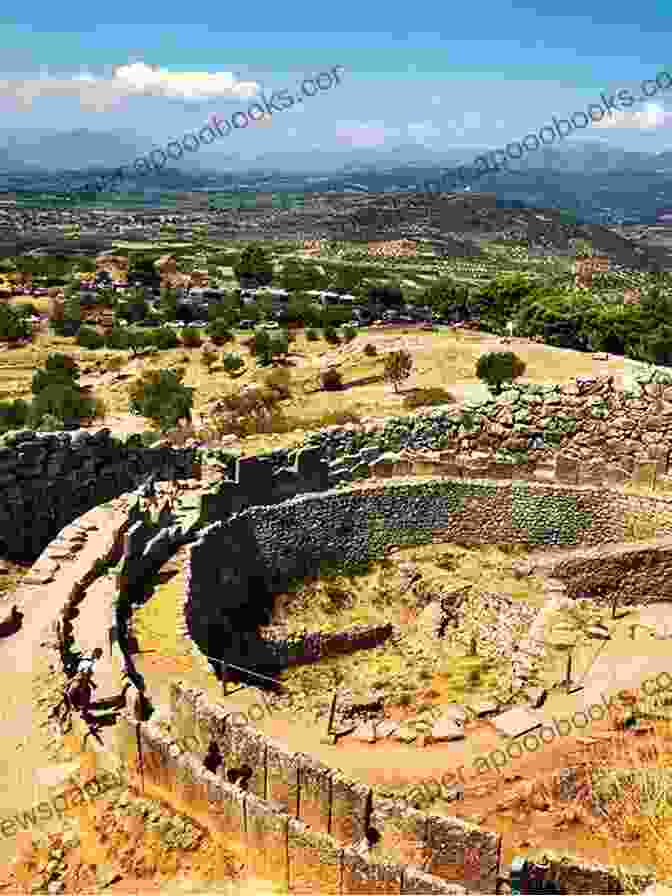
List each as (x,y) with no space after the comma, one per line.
(584,432)
(276,846)
(235,567)
(637,574)
(332,805)
(49,479)
(266,479)
(605,429)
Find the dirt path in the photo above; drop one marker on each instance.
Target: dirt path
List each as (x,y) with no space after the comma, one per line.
(24,744)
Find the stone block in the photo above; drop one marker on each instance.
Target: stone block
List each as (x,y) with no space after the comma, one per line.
(315,793)
(282,776)
(364,877)
(315,861)
(463,854)
(517,721)
(567,469)
(350,803)
(403,833)
(616,475)
(447,729)
(248,748)
(417,882)
(227,810)
(267,841)
(644,473)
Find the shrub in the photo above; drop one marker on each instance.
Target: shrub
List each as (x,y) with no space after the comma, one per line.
(231,362)
(59,369)
(13,325)
(349,333)
(164,338)
(331,380)
(65,402)
(331,335)
(265,346)
(218,330)
(13,414)
(117,338)
(191,338)
(370,350)
(50,424)
(495,368)
(419,398)
(398,367)
(161,396)
(89,337)
(312,335)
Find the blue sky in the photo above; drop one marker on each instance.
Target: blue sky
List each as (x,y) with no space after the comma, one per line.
(470,75)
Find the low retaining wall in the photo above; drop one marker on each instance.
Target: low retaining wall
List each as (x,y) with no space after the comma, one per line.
(637,574)
(49,479)
(314,646)
(331,804)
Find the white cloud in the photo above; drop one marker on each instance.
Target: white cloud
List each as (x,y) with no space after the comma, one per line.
(135,79)
(652,115)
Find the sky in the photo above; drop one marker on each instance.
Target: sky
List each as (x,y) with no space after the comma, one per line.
(467,75)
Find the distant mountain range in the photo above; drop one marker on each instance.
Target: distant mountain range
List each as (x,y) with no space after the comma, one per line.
(597,182)
(83,148)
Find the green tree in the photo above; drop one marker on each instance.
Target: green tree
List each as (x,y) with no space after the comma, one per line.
(447,298)
(346,280)
(168,232)
(13,414)
(142,272)
(297,276)
(58,393)
(199,237)
(495,368)
(500,299)
(231,362)
(58,369)
(162,397)
(398,366)
(254,267)
(89,337)
(66,403)
(656,347)
(13,324)
(219,331)
(117,338)
(168,302)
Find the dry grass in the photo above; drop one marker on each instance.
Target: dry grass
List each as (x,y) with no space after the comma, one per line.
(421,664)
(441,360)
(635,785)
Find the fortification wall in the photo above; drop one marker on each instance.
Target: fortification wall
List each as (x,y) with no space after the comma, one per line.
(49,479)
(331,804)
(607,431)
